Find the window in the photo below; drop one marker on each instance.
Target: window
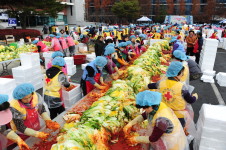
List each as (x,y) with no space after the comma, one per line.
(188,9)
(202,8)
(203,1)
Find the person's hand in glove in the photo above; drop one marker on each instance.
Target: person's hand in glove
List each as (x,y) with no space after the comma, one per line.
(52,125)
(15,138)
(131,141)
(134,140)
(42,135)
(22,145)
(195,95)
(127,129)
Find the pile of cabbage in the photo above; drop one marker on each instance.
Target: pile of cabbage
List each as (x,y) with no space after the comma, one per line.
(109,114)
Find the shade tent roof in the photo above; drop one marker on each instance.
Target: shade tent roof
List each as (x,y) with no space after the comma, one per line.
(144,19)
(223,21)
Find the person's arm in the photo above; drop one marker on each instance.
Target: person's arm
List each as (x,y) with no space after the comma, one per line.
(62,78)
(52,43)
(175,46)
(154,85)
(39,49)
(162,126)
(187,96)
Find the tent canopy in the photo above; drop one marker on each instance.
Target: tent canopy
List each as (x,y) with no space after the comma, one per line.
(144,18)
(223,21)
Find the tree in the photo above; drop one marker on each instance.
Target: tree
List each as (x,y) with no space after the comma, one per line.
(25,8)
(128,9)
(161,17)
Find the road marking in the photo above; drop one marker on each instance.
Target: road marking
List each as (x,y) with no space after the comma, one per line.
(218,95)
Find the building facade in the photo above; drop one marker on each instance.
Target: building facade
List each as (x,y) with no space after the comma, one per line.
(202,10)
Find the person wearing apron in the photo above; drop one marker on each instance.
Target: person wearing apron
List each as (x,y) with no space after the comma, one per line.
(111,66)
(4,132)
(177,96)
(27,107)
(166,132)
(54,55)
(181,57)
(119,60)
(55,43)
(92,75)
(54,80)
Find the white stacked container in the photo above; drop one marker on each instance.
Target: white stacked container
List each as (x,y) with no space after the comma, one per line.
(221,79)
(7,86)
(90,57)
(71,68)
(71,97)
(84,66)
(211,132)
(30,59)
(30,71)
(224,43)
(48,57)
(208,54)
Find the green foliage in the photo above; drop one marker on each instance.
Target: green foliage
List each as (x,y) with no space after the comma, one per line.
(25,8)
(128,9)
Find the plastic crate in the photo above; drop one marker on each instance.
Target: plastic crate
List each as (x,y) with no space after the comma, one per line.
(69,60)
(8,76)
(72,93)
(30,59)
(22,71)
(6,84)
(79,59)
(71,70)
(70,102)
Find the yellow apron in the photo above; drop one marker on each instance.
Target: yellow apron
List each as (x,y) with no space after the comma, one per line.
(52,88)
(119,35)
(176,140)
(185,77)
(172,96)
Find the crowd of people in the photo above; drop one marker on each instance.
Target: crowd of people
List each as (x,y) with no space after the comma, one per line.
(168,111)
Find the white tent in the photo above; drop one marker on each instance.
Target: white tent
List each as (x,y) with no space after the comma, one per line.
(144,19)
(223,21)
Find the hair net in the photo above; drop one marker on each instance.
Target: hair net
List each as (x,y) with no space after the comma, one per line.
(66,35)
(111,44)
(58,34)
(23,90)
(3,98)
(174,68)
(132,36)
(100,61)
(128,43)
(81,36)
(57,54)
(120,44)
(180,55)
(143,36)
(35,42)
(148,98)
(173,39)
(58,61)
(215,30)
(158,31)
(109,50)
(58,37)
(52,35)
